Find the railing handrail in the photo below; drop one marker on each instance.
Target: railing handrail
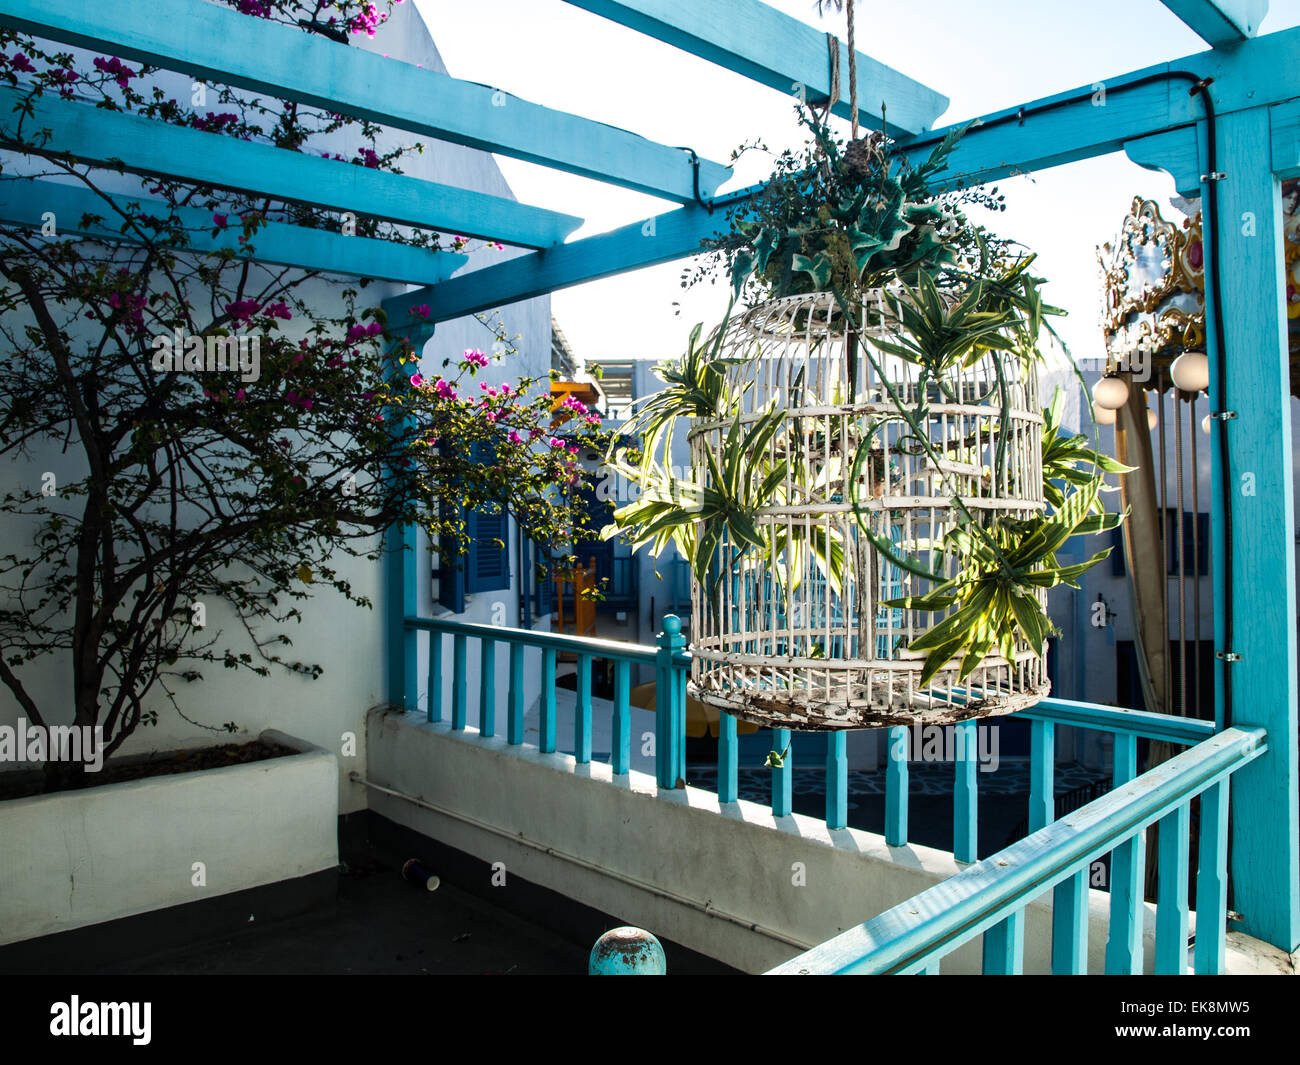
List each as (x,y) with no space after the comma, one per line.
(587,645)
(905,938)
(1182,730)
(1167,727)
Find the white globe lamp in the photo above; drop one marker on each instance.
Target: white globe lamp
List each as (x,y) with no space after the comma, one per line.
(1191,372)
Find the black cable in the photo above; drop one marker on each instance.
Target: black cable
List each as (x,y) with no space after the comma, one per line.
(695,164)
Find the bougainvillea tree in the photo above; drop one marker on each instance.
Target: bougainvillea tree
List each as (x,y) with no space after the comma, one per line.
(226,430)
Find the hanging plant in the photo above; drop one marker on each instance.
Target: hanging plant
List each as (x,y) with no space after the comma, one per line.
(868,425)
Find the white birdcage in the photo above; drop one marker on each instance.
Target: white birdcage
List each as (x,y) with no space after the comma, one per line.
(781,636)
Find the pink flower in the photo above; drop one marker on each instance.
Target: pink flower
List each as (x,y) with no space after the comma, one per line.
(416,380)
(242,310)
(555,442)
(367,20)
(475,357)
(240,394)
(422,311)
(368,156)
(278,310)
(21,62)
(497,245)
(444,390)
(121,73)
(221,221)
(515,438)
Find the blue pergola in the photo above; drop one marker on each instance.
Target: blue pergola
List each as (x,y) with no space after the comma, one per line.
(1225,123)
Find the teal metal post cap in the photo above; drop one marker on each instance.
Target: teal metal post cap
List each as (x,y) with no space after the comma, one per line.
(627,951)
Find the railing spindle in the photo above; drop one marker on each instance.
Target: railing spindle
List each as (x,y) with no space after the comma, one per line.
(670,709)
(620,753)
(582,712)
(458,711)
(896,788)
(728,759)
(837,780)
(1042,772)
(1127,869)
(1070,926)
(1004,947)
(435,677)
(965,796)
(515,711)
(487,688)
(783,778)
(1212,881)
(546,725)
(1173,839)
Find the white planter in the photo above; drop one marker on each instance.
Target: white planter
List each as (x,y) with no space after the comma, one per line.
(83,857)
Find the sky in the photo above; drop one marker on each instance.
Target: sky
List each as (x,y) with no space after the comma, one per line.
(983,55)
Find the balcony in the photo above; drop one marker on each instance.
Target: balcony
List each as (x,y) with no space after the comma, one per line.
(596,800)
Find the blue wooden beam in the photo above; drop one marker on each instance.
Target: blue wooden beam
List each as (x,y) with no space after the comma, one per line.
(1096,119)
(212,42)
(779,51)
(1079,124)
(1220,22)
(663,238)
(26,204)
(98,136)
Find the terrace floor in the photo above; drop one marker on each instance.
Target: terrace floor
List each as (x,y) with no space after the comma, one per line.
(381,923)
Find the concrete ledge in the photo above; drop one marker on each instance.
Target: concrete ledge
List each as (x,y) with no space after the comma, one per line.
(79,858)
(733,883)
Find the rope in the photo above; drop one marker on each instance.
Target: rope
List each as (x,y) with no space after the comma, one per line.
(833,97)
(853,71)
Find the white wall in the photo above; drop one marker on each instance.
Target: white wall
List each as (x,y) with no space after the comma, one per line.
(348,641)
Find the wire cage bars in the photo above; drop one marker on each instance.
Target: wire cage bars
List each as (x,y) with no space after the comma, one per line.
(800,632)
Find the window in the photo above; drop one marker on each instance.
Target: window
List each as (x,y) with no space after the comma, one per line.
(486,567)
(1196,545)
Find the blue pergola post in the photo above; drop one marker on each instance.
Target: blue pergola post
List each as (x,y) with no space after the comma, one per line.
(1264,866)
(400,541)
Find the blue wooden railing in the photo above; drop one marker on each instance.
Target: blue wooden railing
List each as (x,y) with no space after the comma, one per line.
(1059,853)
(672,664)
(669,659)
(988,899)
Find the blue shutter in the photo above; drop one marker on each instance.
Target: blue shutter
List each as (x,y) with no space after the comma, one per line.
(488,564)
(451,579)
(487,567)
(544,589)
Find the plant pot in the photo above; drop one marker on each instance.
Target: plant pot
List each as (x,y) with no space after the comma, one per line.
(83,857)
